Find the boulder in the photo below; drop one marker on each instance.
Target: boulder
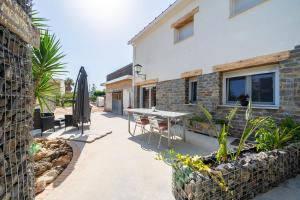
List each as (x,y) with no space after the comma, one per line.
(40,185)
(41,167)
(62,161)
(40,155)
(49,176)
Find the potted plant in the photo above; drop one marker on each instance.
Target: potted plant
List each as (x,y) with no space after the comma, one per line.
(244,99)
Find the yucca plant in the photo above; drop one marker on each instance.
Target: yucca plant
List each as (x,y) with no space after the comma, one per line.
(46,62)
(251,126)
(39,22)
(46,65)
(222,136)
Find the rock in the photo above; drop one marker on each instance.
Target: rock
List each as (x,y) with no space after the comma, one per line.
(49,176)
(10,146)
(3,102)
(2,190)
(40,186)
(40,155)
(245,175)
(41,167)
(7,196)
(225,168)
(62,161)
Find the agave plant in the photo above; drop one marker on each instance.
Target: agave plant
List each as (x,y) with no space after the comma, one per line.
(46,65)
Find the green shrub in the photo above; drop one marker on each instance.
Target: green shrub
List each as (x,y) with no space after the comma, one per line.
(290,124)
(271,136)
(184,165)
(34,148)
(222,154)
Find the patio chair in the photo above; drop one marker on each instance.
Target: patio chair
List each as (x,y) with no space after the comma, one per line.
(140,121)
(160,125)
(43,121)
(69,122)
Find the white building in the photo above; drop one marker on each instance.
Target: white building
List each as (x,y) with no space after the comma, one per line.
(214,51)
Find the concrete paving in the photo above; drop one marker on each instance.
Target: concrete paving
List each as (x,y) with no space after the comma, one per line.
(120,166)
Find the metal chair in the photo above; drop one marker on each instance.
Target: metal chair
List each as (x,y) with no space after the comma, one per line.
(140,121)
(159,125)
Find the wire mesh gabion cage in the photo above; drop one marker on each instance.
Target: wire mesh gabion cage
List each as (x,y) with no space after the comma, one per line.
(16,98)
(26,5)
(245,178)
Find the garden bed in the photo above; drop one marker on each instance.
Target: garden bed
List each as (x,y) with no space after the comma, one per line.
(251,174)
(52,158)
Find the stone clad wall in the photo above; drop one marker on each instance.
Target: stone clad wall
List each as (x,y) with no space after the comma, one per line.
(171,95)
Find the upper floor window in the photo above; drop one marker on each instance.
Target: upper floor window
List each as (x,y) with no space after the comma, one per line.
(261,86)
(184,27)
(239,6)
(184,32)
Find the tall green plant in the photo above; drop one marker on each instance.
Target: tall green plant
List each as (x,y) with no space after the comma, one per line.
(39,22)
(46,65)
(222,154)
(251,126)
(271,136)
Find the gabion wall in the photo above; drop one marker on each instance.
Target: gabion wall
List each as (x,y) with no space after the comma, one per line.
(254,173)
(16,97)
(26,5)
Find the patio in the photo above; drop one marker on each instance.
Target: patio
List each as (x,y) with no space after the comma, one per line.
(120,166)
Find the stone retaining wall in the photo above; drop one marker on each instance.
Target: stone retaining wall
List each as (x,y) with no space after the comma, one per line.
(252,174)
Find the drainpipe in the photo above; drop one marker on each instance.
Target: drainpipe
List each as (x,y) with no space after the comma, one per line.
(133,76)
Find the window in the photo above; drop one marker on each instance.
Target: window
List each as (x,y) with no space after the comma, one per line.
(262,87)
(184,32)
(193,91)
(235,87)
(184,27)
(239,6)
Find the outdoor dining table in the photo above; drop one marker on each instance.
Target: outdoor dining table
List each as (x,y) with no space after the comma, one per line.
(159,113)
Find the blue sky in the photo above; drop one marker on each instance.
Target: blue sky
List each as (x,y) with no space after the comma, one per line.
(95,34)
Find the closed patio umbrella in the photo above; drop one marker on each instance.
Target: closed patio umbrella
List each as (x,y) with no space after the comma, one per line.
(81,108)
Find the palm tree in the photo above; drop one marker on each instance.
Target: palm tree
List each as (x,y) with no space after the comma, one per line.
(46,65)
(46,62)
(68,84)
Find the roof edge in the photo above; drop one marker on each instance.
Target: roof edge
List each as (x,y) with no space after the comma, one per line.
(156,20)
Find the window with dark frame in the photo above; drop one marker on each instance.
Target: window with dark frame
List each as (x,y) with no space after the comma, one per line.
(259,87)
(193,95)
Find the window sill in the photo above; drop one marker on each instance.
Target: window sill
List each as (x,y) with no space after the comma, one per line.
(254,106)
(190,104)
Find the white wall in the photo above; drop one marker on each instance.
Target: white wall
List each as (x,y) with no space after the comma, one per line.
(270,27)
(108,102)
(126,98)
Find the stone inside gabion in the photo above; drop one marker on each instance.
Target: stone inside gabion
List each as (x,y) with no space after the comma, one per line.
(16,97)
(252,174)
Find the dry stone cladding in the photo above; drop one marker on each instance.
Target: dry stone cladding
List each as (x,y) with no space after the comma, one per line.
(172,94)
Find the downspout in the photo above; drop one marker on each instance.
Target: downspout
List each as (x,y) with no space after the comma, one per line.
(133,76)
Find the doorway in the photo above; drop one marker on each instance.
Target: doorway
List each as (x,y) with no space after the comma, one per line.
(148,96)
